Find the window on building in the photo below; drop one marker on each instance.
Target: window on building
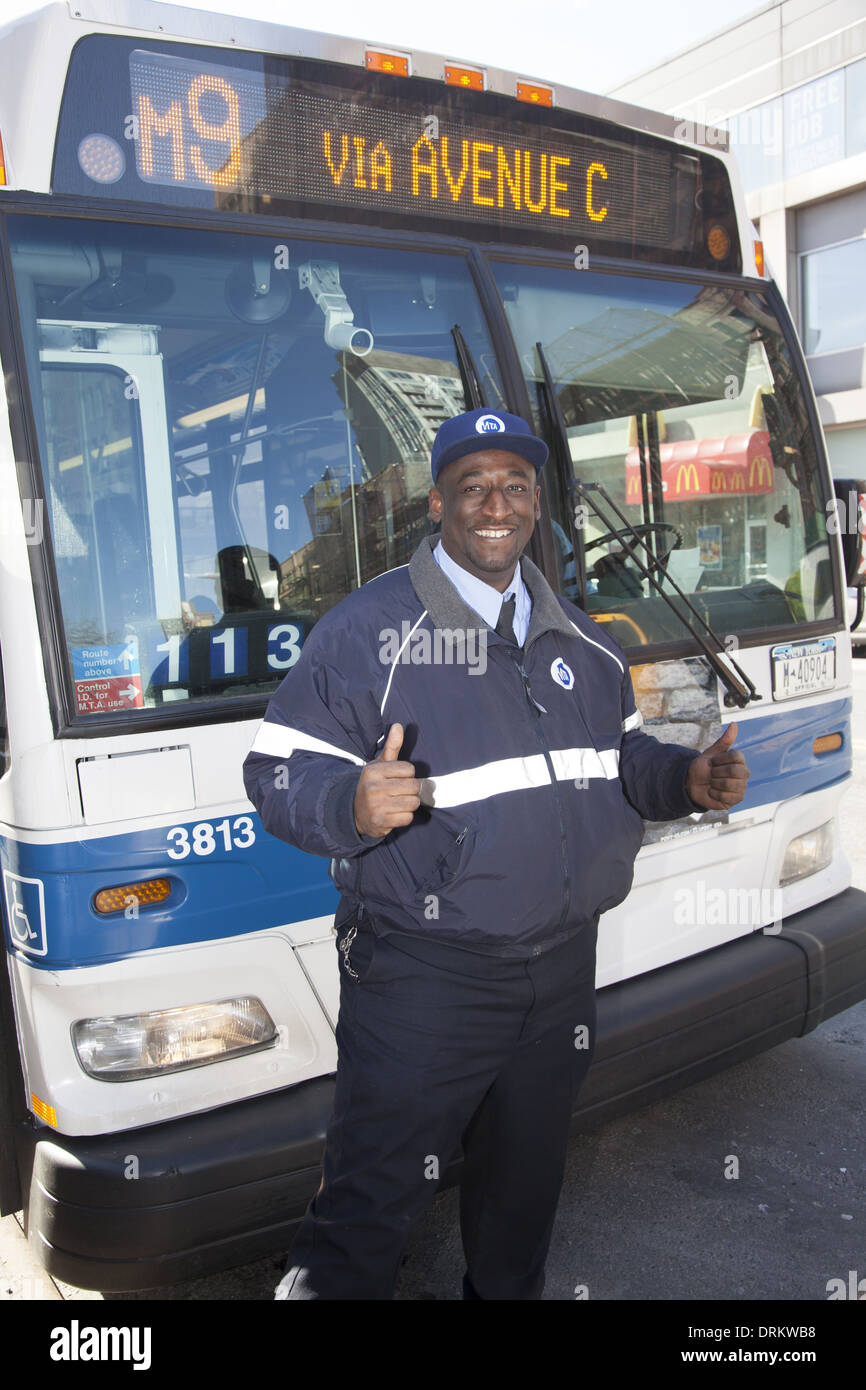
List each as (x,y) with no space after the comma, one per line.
(834,310)
(811,126)
(855,108)
(756,140)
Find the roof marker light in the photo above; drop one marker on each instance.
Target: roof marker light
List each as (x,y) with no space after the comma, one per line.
(537,96)
(395,63)
(473,78)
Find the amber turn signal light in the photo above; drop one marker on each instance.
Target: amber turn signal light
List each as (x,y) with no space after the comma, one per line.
(827,743)
(148,893)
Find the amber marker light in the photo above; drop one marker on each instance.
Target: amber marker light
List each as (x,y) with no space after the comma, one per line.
(395,63)
(827,743)
(149,893)
(43,1110)
(464,77)
(718,242)
(759,257)
(537,96)
(101,158)
(2,164)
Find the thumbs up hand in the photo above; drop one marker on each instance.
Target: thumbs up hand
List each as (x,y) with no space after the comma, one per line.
(717,778)
(388,793)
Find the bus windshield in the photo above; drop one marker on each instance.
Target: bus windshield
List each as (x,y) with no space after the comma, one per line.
(682,400)
(235,432)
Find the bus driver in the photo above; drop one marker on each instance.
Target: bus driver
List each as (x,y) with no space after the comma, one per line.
(479,822)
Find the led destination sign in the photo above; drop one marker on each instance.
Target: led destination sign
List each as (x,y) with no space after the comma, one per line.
(301,138)
(241,131)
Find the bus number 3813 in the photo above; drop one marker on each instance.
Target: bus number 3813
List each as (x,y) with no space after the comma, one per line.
(204,837)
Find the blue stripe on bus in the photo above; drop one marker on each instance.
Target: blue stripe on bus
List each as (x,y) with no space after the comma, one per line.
(225,886)
(778,750)
(221,893)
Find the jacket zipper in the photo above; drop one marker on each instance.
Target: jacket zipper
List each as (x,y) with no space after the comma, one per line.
(344,947)
(538,711)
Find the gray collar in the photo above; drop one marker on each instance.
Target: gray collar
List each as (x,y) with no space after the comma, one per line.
(448,610)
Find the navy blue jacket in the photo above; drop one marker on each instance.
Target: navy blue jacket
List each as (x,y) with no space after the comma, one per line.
(535,776)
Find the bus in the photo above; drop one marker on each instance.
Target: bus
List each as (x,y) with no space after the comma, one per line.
(247,271)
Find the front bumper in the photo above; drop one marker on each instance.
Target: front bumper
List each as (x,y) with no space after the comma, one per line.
(228,1186)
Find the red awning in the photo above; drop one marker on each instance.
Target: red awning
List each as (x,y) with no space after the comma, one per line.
(740,464)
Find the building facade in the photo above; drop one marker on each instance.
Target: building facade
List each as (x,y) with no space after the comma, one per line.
(788,83)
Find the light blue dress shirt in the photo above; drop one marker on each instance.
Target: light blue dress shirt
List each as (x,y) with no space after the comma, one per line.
(487,601)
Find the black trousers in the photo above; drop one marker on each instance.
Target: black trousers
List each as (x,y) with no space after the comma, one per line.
(439,1046)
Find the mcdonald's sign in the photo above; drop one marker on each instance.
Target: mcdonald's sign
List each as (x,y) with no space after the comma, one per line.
(737,465)
(632,487)
(718,480)
(760,468)
(688,483)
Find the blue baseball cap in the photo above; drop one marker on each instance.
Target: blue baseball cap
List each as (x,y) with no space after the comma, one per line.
(485,429)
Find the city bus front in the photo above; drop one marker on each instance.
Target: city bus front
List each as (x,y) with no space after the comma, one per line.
(235,315)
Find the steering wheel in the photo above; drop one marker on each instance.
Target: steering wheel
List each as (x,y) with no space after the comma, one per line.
(641,531)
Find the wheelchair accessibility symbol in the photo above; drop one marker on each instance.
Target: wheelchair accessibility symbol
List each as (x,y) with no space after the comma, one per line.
(25,909)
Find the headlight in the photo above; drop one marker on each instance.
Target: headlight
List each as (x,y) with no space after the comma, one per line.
(807,854)
(132,1046)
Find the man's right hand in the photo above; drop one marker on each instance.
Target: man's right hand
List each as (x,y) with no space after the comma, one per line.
(388,792)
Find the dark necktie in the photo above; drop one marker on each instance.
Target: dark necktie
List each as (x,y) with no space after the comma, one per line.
(505,625)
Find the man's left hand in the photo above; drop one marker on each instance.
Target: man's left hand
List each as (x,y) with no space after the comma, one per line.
(717,779)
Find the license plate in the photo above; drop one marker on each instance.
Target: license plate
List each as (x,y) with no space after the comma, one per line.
(802,668)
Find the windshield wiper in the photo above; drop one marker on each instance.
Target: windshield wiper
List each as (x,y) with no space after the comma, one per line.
(648,447)
(559,434)
(740,689)
(473,391)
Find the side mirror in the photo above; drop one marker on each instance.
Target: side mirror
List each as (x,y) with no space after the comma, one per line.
(850,522)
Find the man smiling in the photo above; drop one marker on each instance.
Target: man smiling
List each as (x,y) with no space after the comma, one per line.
(477,830)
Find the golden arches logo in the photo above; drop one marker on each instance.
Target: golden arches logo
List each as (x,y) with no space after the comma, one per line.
(718,480)
(632,488)
(761,469)
(689,471)
(738,481)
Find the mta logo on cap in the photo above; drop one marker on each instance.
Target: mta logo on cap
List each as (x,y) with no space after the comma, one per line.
(490,424)
(485,429)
